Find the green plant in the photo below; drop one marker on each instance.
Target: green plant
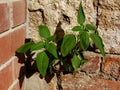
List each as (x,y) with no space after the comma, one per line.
(65,54)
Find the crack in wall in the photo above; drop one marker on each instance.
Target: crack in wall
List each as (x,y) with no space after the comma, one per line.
(97,11)
(59,82)
(42,12)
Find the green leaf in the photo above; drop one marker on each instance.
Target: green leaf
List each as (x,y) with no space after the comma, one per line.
(77,28)
(84,40)
(51,38)
(24,48)
(81,15)
(37,46)
(76,62)
(42,62)
(68,43)
(44,31)
(51,48)
(90,27)
(98,42)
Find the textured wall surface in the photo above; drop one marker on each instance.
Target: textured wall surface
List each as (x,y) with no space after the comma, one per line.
(50,12)
(105,14)
(109,24)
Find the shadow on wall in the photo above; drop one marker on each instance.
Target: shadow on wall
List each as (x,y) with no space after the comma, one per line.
(21,60)
(29,67)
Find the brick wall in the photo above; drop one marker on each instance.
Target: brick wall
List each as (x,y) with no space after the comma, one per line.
(97,74)
(12,35)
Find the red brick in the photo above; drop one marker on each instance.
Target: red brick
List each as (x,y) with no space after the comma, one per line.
(111,66)
(4,17)
(70,82)
(18,38)
(19,12)
(93,65)
(10,42)
(5,48)
(107,84)
(6,77)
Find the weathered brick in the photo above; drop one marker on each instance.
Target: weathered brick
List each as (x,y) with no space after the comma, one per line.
(70,82)
(93,65)
(109,24)
(19,12)
(4,17)
(5,48)
(6,77)
(17,38)
(111,66)
(10,42)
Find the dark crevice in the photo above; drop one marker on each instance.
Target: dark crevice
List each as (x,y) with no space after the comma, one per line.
(97,10)
(66,18)
(59,81)
(42,12)
(101,64)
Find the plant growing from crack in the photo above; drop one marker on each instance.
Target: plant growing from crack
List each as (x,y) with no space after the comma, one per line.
(64,53)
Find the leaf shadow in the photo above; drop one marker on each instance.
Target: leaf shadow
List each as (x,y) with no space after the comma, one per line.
(29,67)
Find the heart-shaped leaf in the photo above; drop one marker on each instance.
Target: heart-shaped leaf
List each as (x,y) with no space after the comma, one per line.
(81,15)
(42,62)
(90,27)
(37,46)
(98,42)
(44,31)
(84,40)
(51,48)
(77,28)
(24,48)
(68,43)
(76,62)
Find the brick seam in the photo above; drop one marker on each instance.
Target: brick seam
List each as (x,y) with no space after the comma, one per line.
(13,84)
(7,63)
(12,30)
